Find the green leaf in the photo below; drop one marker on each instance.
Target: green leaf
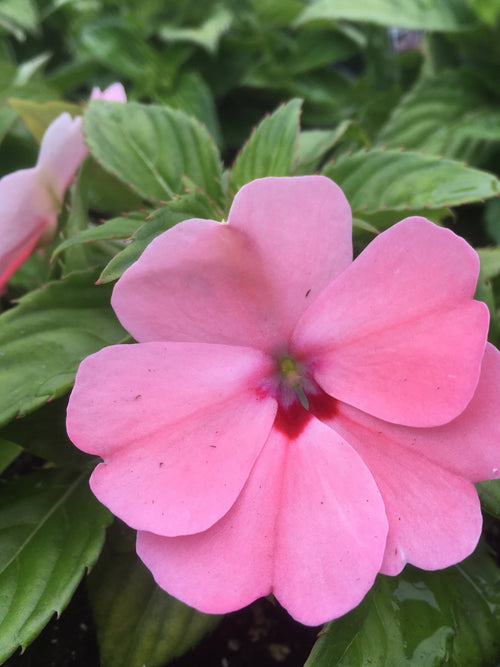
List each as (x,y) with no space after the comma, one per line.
(207,35)
(313,145)
(377,180)
(137,622)
(194,205)
(271,149)
(448,16)
(51,531)
(489,493)
(193,96)
(43,434)
(44,338)
(9,451)
(152,149)
(440,114)
(122,227)
(19,17)
(37,116)
(420,618)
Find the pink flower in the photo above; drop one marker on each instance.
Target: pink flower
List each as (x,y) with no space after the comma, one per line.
(291,421)
(31,199)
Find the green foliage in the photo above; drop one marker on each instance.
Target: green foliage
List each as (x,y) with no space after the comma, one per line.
(44,338)
(51,531)
(422,15)
(378,180)
(420,618)
(158,152)
(271,149)
(193,205)
(138,623)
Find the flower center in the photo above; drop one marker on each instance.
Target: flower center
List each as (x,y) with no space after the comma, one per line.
(299,398)
(292,377)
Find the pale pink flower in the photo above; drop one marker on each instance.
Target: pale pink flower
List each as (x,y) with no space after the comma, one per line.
(293,422)
(31,199)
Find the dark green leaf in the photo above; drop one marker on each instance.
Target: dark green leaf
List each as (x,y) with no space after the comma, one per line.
(9,451)
(420,618)
(206,35)
(44,338)
(51,531)
(153,149)
(377,180)
(271,149)
(137,622)
(489,493)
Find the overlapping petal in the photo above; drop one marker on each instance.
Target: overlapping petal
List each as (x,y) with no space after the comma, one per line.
(245,282)
(434,514)
(398,334)
(309,526)
(179,427)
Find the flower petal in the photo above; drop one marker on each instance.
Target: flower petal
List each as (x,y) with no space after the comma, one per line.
(301,228)
(434,515)
(300,528)
(113,93)
(398,334)
(179,427)
(61,153)
(331,528)
(25,210)
(231,564)
(245,282)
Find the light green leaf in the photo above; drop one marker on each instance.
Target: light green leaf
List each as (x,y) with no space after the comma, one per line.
(137,622)
(19,17)
(420,618)
(116,228)
(194,205)
(490,262)
(377,180)
(44,338)
(271,149)
(51,531)
(37,116)
(151,148)
(448,16)
(207,35)
(9,451)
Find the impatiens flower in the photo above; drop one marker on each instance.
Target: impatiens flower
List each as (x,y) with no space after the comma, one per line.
(31,199)
(290,421)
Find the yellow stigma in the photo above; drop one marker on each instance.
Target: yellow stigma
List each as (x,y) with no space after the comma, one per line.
(288,369)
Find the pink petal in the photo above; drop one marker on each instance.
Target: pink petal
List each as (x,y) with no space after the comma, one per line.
(434,515)
(331,528)
(61,153)
(179,427)
(468,446)
(398,334)
(113,93)
(231,564)
(242,283)
(300,528)
(25,210)
(301,229)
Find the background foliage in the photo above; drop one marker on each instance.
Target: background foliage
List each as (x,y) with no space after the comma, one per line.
(222,92)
